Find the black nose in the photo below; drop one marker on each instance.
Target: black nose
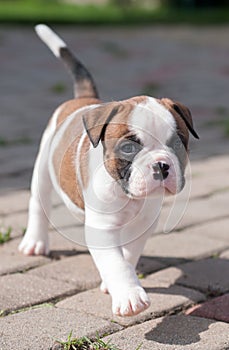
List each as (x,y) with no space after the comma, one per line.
(160,171)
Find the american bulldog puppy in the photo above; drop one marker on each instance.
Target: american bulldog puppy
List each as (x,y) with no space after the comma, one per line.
(111,163)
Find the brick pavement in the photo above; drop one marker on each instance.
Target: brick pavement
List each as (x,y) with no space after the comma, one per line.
(185,272)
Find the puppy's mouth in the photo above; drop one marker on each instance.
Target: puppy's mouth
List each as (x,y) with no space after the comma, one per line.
(167,187)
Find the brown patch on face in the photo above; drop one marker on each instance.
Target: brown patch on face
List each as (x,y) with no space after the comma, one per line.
(182,129)
(97,120)
(117,130)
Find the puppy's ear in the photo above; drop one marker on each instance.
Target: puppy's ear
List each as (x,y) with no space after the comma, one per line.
(96,120)
(183,112)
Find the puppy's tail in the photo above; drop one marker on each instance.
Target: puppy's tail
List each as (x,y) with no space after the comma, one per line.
(84,85)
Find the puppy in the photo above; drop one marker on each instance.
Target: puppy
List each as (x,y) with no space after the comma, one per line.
(111,163)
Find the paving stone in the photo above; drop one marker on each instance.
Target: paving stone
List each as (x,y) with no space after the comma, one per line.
(174,333)
(163,299)
(17,262)
(217,309)
(73,234)
(214,181)
(174,246)
(39,328)
(225,254)
(22,290)
(209,276)
(195,211)
(17,221)
(14,201)
(217,230)
(61,217)
(148,265)
(10,247)
(61,245)
(78,270)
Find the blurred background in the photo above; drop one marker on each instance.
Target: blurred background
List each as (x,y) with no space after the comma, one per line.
(114,11)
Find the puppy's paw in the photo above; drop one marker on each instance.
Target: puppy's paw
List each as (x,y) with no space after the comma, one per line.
(104,288)
(130,302)
(31,245)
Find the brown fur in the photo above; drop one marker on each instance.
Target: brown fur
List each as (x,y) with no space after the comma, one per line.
(71,106)
(117,129)
(64,155)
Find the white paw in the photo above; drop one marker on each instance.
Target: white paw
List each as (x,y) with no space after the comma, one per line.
(104,288)
(130,302)
(34,245)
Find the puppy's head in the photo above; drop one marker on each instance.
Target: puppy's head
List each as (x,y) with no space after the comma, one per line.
(145,143)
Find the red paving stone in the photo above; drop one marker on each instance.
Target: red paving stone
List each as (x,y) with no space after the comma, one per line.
(216,309)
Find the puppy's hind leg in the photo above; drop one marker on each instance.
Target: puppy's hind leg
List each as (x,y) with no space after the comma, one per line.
(35,241)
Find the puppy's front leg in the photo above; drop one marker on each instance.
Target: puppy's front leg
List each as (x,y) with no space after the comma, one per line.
(128,297)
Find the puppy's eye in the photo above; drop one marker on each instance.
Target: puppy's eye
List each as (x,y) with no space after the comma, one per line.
(129,148)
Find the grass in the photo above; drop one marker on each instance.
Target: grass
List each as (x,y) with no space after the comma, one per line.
(5,235)
(58,88)
(34,11)
(150,89)
(19,141)
(84,343)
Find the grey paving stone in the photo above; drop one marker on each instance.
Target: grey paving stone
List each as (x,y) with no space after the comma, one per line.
(61,245)
(174,246)
(61,217)
(17,221)
(78,270)
(74,234)
(163,299)
(214,181)
(174,333)
(22,290)
(225,254)
(14,201)
(195,211)
(16,262)
(209,275)
(148,265)
(39,328)
(217,230)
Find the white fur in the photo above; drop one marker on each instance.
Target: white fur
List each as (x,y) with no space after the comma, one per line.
(154,125)
(35,240)
(51,39)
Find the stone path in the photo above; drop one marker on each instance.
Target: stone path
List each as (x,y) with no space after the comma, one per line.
(186,272)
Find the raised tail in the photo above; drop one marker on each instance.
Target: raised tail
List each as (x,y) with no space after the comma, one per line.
(84,85)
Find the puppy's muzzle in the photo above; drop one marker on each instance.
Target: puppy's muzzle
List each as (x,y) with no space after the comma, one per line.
(160,171)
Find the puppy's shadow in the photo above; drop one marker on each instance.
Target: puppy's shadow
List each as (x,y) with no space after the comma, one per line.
(179,330)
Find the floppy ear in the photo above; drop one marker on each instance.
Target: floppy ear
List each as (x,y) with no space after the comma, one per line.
(183,112)
(96,120)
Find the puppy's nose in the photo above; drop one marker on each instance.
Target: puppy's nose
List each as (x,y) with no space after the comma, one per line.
(160,170)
